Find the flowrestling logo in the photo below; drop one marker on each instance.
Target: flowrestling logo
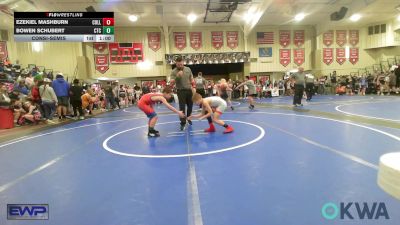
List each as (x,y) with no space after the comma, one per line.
(27,211)
(355,210)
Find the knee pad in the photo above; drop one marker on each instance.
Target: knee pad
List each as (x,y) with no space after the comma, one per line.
(151,115)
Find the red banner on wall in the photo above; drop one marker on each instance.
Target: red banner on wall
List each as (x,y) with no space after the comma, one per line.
(180,40)
(232,39)
(298,38)
(195,40)
(217,39)
(284,38)
(102,68)
(327,38)
(354,37)
(101,63)
(340,55)
(284,57)
(154,40)
(100,46)
(327,56)
(354,55)
(101,59)
(3,50)
(341,37)
(298,56)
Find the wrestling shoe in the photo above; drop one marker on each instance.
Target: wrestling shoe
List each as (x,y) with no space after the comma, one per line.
(153,133)
(229,129)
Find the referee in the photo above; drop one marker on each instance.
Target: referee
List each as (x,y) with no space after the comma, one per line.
(182,76)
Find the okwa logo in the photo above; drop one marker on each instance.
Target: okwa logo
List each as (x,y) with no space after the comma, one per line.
(355,210)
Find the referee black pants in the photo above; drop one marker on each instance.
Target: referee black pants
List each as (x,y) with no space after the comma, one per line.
(77,107)
(201,91)
(298,93)
(309,90)
(185,99)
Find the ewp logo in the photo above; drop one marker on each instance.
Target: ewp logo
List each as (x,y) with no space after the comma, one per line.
(27,212)
(375,211)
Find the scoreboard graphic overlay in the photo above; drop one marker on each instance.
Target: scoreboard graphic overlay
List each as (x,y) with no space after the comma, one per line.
(64,26)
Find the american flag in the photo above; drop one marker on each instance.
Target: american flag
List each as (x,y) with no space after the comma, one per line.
(265,37)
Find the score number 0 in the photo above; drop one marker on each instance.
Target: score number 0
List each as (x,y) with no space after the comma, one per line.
(108,21)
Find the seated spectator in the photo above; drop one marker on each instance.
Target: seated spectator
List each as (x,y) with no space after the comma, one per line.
(6,78)
(34,71)
(31,114)
(275,91)
(29,81)
(14,95)
(17,108)
(5,100)
(20,87)
(50,75)
(268,91)
(340,89)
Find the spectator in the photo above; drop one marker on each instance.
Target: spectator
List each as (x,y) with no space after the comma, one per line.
(61,88)
(363,85)
(138,92)
(309,86)
(200,84)
(100,102)
(129,91)
(215,89)
(115,88)
(321,86)
(49,99)
(5,100)
(29,81)
(75,93)
(381,83)
(88,100)
(229,91)
(32,113)
(21,88)
(252,91)
(392,82)
(34,71)
(145,89)
(333,82)
(35,95)
(110,97)
(122,93)
(397,73)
